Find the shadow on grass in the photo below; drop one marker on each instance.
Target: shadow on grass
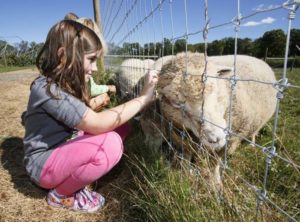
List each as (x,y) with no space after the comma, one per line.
(12,154)
(12,160)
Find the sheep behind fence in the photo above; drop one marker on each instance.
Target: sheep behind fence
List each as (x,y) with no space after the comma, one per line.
(231,129)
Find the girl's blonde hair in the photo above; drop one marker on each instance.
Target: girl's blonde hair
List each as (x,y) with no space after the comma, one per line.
(90,24)
(61,58)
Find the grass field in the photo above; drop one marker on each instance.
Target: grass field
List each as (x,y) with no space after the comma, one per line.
(4,69)
(143,187)
(160,193)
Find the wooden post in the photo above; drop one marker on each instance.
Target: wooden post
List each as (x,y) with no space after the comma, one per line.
(101,70)
(97,17)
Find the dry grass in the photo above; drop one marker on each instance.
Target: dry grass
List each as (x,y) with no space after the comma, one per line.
(21,200)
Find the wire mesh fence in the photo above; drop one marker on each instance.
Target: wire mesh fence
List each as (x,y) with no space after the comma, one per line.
(144,22)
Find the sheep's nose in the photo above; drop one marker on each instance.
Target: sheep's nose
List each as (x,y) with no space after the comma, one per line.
(214,140)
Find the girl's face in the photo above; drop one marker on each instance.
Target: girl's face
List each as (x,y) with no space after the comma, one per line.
(90,65)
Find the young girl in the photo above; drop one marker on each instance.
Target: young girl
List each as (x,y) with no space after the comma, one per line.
(95,89)
(59,107)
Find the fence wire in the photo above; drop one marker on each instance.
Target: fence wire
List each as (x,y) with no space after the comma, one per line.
(139,24)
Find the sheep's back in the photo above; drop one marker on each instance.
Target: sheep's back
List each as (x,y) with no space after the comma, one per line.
(255,96)
(162,61)
(148,63)
(131,71)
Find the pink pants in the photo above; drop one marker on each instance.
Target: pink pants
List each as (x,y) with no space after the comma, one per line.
(83,160)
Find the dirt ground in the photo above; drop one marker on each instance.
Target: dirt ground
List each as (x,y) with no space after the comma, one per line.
(21,200)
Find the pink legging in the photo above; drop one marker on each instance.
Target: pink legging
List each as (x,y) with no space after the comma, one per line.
(83,160)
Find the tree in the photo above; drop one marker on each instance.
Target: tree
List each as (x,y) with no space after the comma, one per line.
(132,48)
(216,47)
(158,49)
(245,46)
(126,47)
(167,47)
(257,50)
(180,45)
(228,46)
(23,46)
(274,41)
(198,47)
(115,50)
(136,48)
(294,41)
(152,48)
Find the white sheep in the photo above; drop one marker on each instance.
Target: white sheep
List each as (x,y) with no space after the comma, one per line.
(148,63)
(132,71)
(162,61)
(189,93)
(185,98)
(130,74)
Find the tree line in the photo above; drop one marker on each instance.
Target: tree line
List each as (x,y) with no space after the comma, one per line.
(271,44)
(19,54)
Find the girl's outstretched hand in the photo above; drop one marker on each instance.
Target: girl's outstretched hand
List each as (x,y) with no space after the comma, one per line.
(99,102)
(150,82)
(112,89)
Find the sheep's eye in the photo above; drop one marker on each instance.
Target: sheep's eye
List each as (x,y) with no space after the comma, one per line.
(224,72)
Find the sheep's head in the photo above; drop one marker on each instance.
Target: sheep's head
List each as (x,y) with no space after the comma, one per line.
(190,100)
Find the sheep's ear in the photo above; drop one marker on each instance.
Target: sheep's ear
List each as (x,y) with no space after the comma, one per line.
(224,71)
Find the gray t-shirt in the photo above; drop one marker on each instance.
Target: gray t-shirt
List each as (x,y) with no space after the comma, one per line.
(48,123)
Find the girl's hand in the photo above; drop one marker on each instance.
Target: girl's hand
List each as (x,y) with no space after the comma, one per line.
(112,89)
(150,82)
(98,102)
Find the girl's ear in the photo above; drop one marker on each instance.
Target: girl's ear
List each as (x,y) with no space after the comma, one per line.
(61,54)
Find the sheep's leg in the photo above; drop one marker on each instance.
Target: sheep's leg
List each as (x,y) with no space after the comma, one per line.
(219,189)
(210,171)
(216,181)
(253,138)
(152,138)
(233,145)
(153,131)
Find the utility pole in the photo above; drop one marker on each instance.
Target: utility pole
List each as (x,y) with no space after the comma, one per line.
(100,63)
(97,17)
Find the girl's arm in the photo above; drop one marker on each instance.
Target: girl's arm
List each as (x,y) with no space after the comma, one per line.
(110,119)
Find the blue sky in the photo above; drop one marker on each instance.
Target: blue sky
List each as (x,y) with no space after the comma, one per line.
(30,20)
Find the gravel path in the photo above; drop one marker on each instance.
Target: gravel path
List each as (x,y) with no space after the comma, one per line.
(19,74)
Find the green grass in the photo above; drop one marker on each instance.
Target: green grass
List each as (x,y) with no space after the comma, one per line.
(154,191)
(151,190)
(4,69)
(283,178)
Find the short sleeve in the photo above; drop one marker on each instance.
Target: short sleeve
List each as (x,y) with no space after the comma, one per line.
(67,109)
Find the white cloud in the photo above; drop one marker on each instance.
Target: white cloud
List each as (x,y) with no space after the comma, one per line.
(268,20)
(258,8)
(251,23)
(263,7)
